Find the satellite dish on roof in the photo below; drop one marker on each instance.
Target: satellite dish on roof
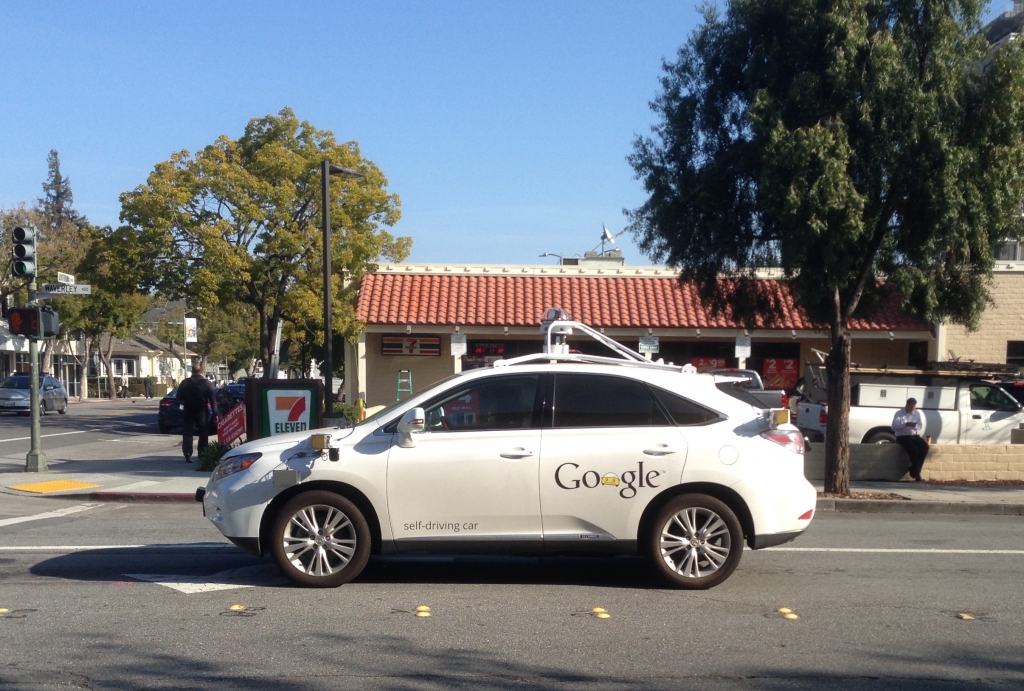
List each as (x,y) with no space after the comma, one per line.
(607,236)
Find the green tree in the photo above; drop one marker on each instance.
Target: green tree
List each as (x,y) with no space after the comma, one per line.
(239,220)
(844,141)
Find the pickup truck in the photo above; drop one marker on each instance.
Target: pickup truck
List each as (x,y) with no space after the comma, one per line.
(956,407)
(755,387)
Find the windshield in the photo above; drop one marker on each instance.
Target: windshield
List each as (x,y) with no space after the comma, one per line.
(383,412)
(15,383)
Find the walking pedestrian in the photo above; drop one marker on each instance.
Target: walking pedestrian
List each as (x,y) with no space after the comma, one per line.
(124,384)
(148,382)
(194,394)
(907,425)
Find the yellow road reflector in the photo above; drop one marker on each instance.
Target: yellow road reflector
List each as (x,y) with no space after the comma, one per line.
(599,609)
(790,615)
(422,608)
(965,616)
(53,486)
(784,610)
(422,614)
(4,610)
(602,615)
(236,608)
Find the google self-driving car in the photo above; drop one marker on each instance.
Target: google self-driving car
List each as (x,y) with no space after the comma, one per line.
(551,453)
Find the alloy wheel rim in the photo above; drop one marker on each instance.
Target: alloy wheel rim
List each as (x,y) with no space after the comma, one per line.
(695,542)
(319,540)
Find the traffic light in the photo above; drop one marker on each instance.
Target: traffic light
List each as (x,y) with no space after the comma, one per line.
(26,321)
(24,252)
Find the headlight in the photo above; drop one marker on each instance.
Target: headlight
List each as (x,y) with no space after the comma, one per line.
(233,465)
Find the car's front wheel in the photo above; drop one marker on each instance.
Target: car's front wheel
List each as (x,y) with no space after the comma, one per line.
(696,541)
(320,540)
(63,410)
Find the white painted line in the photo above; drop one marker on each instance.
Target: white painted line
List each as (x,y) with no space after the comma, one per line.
(57,434)
(883,550)
(87,548)
(59,513)
(189,585)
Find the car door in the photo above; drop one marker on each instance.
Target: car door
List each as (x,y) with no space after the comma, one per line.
(48,392)
(993,413)
(609,448)
(472,475)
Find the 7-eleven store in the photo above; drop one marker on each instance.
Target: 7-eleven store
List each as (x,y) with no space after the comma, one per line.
(412,312)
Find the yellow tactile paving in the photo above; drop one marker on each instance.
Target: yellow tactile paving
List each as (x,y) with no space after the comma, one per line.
(53,486)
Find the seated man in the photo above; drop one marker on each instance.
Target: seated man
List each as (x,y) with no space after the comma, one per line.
(907,424)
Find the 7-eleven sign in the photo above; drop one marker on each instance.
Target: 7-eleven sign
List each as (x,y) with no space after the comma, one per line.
(288,410)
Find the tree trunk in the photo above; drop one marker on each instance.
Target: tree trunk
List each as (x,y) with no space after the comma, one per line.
(837,431)
(83,362)
(266,348)
(106,357)
(46,365)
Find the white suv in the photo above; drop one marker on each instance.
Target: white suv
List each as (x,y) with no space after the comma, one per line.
(549,453)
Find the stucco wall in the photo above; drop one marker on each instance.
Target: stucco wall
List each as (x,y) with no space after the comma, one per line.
(382,370)
(864,351)
(1002,321)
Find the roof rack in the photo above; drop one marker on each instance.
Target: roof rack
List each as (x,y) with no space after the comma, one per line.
(557,325)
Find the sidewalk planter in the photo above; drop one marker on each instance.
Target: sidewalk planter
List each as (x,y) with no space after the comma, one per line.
(888,462)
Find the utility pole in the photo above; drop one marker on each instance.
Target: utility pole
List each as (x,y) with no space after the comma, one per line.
(35,461)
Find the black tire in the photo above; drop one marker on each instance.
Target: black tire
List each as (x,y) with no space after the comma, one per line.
(355,537)
(881,438)
(164,429)
(721,548)
(42,407)
(63,410)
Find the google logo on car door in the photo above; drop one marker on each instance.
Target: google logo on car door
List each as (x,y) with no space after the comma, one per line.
(288,411)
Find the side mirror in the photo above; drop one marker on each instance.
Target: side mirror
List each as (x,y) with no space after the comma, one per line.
(413,422)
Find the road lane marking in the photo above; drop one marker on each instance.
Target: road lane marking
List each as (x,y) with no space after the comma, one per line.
(134,485)
(44,436)
(241,577)
(59,513)
(884,550)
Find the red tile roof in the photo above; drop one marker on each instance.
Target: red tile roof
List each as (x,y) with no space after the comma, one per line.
(598,301)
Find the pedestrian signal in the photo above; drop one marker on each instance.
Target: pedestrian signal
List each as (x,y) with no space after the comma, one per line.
(24,252)
(34,322)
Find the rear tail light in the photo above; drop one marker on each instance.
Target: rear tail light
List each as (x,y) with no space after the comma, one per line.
(823,415)
(785,400)
(791,440)
(806,516)
(167,402)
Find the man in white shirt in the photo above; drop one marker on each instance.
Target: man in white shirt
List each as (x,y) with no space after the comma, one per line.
(907,424)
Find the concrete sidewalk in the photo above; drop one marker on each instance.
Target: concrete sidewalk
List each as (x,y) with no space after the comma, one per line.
(166,477)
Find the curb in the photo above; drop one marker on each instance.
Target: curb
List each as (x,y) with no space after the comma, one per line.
(143,496)
(905,506)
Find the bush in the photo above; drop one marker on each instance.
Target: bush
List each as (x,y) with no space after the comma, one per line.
(211,456)
(347,411)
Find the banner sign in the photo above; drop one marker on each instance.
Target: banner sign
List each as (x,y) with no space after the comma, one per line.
(282,406)
(191,330)
(287,410)
(706,363)
(410,345)
(231,425)
(780,373)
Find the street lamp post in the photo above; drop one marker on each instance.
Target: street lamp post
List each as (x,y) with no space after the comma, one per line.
(327,169)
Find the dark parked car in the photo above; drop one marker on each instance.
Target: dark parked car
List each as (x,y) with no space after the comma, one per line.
(14,395)
(171,416)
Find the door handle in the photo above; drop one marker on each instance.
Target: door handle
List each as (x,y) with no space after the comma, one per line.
(975,417)
(660,450)
(516,454)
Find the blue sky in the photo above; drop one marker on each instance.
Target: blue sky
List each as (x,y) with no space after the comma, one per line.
(503,126)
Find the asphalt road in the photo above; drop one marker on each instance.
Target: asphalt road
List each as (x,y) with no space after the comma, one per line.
(89,431)
(156,612)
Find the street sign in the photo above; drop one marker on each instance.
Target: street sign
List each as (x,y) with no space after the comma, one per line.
(649,344)
(458,345)
(67,279)
(55,289)
(743,346)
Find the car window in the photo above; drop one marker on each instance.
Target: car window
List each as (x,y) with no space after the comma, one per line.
(492,404)
(683,411)
(15,383)
(985,397)
(594,400)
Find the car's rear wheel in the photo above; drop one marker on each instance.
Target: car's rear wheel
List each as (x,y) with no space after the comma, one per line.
(696,542)
(320,540)
(164,429)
